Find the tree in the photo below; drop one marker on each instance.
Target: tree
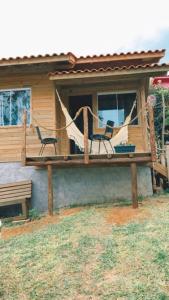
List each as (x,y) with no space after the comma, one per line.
(159,92)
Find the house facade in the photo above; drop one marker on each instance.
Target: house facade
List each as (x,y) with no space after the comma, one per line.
(108,84)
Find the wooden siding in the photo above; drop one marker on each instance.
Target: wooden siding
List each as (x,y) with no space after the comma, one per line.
(42,108)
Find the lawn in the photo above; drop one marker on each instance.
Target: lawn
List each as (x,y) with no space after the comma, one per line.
(91,253)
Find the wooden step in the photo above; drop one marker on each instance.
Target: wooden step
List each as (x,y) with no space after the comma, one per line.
(159,168)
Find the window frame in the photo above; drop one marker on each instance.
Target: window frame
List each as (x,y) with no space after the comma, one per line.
(117,92)
(19,89)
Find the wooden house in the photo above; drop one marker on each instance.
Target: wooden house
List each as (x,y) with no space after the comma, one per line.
(108,84)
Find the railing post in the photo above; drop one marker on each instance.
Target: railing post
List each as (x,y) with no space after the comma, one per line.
(152,133)
(86,130)
(167,158)
(24,139)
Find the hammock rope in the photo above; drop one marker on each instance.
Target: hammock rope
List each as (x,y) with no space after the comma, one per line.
(91,112)
(62,128)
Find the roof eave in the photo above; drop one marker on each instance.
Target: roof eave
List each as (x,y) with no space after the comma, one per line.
(79,75)
(157,54)
(63,58)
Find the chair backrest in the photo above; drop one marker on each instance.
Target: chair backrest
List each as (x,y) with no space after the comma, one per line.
(109,130)
(38,133)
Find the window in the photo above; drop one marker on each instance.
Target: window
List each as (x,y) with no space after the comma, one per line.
(12,104)
(116,107)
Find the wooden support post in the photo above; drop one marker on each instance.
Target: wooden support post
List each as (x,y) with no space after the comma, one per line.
(50,191)
(167,159)
(86,130)
(134,185)
(24,139)
(152,133)
(163,125)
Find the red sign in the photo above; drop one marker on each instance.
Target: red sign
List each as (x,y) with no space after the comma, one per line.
(161,81)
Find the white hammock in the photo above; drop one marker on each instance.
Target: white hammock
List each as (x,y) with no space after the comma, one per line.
(75,134)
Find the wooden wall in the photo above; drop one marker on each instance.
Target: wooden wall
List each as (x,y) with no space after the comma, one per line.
(46,110)
(42,108)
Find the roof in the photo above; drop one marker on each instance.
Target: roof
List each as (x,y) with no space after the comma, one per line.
(147,68)
(47,58)
(67,65)
(158,54)
(130,62)
(153,56)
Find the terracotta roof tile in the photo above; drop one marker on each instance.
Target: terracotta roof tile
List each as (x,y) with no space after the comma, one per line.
(36,56)
(95,70)
(116,61)
(69,57)
(123,54)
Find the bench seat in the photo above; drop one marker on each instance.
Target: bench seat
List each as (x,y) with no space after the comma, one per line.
(16,193)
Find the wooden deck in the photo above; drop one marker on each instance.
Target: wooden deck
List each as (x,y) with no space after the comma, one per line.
(123,159)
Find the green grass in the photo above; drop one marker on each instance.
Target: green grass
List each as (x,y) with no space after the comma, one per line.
(83,257)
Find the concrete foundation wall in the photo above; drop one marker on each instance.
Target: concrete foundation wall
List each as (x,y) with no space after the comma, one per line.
(78,186)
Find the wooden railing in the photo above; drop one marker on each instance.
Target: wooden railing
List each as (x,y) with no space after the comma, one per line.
(23,154)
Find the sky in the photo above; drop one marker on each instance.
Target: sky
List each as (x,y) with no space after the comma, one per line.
(84,27)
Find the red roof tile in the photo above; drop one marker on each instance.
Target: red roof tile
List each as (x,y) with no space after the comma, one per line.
(123,54)
(37,58)
(131,67)
(93,63)
(86,58)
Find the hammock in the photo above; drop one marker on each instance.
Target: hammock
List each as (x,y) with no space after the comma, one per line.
(75,134)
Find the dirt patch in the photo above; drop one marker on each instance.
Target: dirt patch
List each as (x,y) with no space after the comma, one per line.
(70,211)
(122,215)
(112,215)
(28,227)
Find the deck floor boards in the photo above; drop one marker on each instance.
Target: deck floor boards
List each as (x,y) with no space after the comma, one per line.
(99,159)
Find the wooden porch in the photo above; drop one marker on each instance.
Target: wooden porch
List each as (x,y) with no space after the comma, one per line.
(131,160)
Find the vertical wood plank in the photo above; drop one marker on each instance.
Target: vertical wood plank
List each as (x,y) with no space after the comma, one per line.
(86,130)
(24,209)
(24,139)
(163,125)
(134,191)
(152,133)
(50,191)
(142,105)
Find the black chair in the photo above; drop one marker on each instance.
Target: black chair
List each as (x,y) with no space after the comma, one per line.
(103,137)
(45,141)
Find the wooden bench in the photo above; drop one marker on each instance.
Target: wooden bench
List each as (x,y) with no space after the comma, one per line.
(16,193)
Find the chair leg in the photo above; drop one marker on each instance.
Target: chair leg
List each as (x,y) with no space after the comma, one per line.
(41,150)
(111,146)
(99,147)
(105,147)
(91,146)
(55,147)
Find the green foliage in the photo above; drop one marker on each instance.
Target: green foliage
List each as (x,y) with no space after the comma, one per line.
(158,112)
(34,214)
